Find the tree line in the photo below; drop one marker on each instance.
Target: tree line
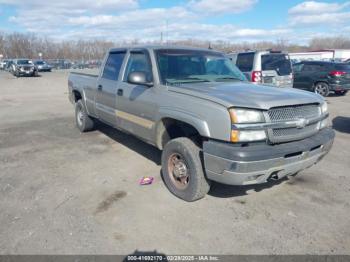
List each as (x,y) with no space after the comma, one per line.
(20,45)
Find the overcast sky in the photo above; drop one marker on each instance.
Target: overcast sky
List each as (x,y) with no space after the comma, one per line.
(228,20)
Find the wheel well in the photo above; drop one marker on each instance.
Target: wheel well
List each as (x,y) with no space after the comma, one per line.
(320,82)
(76,95)
(170,128)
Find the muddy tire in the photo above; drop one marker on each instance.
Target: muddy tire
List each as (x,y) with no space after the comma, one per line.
(182,169)
(82,119)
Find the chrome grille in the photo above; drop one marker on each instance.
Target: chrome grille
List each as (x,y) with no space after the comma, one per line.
(287,132)
(294,113)
(291,113)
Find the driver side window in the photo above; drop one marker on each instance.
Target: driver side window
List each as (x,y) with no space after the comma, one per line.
(138,62)
(298,67)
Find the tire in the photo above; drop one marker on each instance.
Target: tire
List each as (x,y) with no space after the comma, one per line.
(340,93)
(322,89)
(193,184)
(83,121)
(35,74)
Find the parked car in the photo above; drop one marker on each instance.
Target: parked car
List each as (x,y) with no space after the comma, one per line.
(80,65)
(3,64)
(8,65)
(322,77)
(23,67)
(42,66)
(60,64)
(211,124)
(265,67)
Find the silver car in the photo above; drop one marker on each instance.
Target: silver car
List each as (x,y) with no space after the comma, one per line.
(265,67)
(43,66)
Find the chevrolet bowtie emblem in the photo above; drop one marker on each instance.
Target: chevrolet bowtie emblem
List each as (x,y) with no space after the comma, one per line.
(301,123)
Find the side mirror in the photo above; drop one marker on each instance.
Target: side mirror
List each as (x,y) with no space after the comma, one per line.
(139,78)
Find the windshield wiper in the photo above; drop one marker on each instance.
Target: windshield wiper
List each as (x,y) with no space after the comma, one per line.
(186,80)
(228,78)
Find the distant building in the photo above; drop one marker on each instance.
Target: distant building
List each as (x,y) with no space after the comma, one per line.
(338,55)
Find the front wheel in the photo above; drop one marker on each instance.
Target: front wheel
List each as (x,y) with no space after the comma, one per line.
(183,171)
(322,89)
(83,121)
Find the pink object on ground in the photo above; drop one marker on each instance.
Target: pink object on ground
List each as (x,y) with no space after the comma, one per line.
(146,180)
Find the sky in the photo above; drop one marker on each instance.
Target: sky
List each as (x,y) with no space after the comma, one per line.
(210,20)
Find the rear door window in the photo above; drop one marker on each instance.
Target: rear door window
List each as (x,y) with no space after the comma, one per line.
(342,67)
(245,61)
(277,62)
(314,68)
(113,64)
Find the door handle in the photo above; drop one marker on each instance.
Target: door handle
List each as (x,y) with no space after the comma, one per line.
(120,92)
(99,87)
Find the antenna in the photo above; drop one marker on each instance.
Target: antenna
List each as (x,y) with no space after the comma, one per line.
(166,30)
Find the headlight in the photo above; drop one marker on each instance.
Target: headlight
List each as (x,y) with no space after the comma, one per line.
(247,136)
(324,108)
(243,116)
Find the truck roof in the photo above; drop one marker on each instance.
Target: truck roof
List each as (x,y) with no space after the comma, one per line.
(157,47)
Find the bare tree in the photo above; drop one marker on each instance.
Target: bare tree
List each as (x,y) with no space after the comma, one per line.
(16,45)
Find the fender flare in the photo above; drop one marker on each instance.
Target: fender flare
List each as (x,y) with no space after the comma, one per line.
(178,114)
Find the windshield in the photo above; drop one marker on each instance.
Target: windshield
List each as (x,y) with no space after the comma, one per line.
(40,62)
(24,62)
(278,62)
(178,66)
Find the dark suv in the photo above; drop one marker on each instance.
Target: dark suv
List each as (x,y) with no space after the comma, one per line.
(322,77)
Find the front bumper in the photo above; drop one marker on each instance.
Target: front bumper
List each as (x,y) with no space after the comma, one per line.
(255,164)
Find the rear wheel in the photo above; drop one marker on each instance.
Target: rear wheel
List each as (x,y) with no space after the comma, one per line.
(83,121)
(183,171)
(322,89)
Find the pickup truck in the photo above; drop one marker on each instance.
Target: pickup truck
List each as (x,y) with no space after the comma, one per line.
(210,123)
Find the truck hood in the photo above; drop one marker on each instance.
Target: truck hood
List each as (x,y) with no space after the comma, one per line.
(242,94)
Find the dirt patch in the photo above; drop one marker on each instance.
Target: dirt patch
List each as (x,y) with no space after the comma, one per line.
(109,201)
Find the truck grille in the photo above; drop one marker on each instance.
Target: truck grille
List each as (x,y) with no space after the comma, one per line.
(291,113)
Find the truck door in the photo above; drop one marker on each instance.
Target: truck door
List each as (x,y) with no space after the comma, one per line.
(136,107)
(307,75)
(107,86)
(297,68)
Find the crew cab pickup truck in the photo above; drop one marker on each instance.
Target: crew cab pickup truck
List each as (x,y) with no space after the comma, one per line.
(210,123)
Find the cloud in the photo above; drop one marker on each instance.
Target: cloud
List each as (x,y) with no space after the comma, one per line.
(142,18)
(221,6)
(86,5)
(311,13)
(312,7)
(124,20)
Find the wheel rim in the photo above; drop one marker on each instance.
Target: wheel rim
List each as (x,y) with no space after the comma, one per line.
(321,89)
(80,117)
(178,171)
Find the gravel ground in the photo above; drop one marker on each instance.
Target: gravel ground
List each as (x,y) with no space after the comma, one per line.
(62,192)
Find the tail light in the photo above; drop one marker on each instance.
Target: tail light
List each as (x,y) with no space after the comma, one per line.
(256,76)
(337,73)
